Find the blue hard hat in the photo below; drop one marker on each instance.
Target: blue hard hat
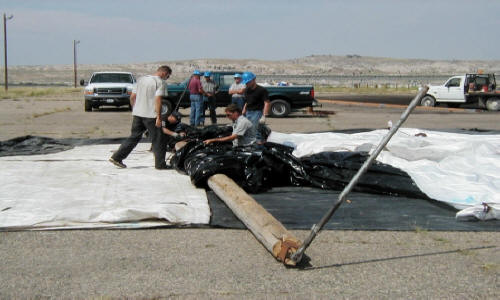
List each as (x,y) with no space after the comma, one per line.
(248,76)
(196,72)
(207,74)
(237,75)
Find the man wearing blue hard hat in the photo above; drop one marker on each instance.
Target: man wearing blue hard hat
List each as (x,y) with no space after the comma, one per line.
(237,91)
(257,102)
(209,90)
(195,96)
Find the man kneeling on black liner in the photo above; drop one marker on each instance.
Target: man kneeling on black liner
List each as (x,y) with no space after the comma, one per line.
(244,133)
(172,127)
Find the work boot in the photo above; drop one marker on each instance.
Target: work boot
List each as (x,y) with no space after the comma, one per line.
(119,164)
(163,167)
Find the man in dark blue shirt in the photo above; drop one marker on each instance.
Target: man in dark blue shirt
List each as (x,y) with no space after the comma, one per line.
(172,126)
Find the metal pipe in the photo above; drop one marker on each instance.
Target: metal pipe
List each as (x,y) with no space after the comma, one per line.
(297,256)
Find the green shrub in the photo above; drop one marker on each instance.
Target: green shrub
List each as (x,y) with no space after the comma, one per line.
(33,92)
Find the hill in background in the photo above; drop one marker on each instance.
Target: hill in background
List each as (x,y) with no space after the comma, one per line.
(311,67)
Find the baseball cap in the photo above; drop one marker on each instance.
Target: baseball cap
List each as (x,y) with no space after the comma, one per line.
(177,115)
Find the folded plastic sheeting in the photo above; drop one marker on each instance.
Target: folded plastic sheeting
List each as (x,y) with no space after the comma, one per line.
(79,188)
(258,169)
(459,169)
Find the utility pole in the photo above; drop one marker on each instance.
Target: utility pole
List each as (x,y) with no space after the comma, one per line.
(75,42)
(5,18)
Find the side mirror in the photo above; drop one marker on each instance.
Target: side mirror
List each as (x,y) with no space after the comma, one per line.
(82,82)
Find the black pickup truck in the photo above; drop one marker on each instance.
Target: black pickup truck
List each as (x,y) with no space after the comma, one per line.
(283,98)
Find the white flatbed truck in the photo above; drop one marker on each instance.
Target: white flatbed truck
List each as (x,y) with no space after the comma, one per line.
(468,88)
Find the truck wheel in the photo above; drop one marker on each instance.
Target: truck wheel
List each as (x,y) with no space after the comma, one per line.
(166,107)
(493,104)
(88,105)
(280,108)
(428,101)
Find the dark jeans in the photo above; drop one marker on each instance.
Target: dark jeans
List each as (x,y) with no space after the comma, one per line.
(139,126)
(209,102)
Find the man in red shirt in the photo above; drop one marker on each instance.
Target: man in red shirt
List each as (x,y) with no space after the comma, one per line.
(195,95)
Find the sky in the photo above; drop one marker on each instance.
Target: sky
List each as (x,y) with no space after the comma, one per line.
(132,31)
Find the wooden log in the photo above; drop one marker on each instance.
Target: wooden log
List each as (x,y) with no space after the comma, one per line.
(269,231)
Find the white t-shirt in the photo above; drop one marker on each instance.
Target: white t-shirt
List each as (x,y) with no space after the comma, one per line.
(237,87)
(147,88)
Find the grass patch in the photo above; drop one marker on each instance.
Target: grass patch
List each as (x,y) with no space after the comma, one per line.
(440,239)
(37,115)
(365,90)
(33,92)
(465,252)
(93,130)
(490,267)
(419,229)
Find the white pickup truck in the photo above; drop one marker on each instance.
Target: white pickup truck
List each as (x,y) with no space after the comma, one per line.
(108,88)
(468,88)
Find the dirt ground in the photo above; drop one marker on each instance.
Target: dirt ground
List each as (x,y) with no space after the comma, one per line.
(228,264)
(64,116)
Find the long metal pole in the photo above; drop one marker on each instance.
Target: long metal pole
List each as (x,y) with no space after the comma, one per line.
(5,49)
(297,256)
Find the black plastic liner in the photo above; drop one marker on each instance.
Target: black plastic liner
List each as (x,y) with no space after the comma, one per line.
(30,145)
(33,145)
(301,207)
(333,170)
(261,168)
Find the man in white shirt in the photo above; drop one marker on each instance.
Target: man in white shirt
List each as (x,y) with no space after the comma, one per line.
(237,91)
(146,102)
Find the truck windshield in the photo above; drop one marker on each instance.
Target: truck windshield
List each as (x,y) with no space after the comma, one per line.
(103,78)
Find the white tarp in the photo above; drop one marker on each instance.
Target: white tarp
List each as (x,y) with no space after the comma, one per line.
(462,170)
(79,188)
